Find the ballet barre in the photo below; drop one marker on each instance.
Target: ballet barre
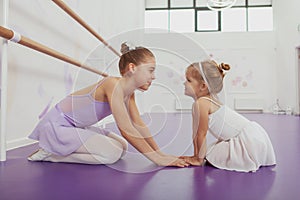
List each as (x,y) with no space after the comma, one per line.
(76,17)
(17,38)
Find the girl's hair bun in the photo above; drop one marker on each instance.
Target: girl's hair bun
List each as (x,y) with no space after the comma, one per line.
(224,66)
(221,67)
(124,48)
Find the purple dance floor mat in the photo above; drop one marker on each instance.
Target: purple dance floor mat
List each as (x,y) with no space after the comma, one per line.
(134,177)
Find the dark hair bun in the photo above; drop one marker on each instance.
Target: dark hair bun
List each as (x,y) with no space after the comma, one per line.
(124,48)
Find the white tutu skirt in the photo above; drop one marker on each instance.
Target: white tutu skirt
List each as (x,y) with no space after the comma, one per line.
(245,152)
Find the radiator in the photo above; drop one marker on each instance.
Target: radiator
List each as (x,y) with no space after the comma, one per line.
(248,105)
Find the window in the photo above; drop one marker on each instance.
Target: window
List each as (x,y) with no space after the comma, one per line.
(181,3)
(234,19)
(182,20)
(260,19)
(207,21)
(195,16)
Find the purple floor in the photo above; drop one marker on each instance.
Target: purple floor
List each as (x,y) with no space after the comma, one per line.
(134,177)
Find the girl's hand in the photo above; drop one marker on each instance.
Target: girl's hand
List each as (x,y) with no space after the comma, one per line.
(193,160)
(172,161)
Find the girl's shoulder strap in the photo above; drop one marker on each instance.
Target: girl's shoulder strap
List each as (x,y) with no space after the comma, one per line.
(211,100)
(98,84)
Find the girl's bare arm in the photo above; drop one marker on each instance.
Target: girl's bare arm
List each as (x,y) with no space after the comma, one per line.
(200,126)
(139,124)
(116,100)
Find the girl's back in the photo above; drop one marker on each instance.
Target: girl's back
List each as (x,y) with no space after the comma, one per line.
(82,109)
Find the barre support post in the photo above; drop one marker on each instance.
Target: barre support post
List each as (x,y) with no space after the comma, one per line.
(3,84)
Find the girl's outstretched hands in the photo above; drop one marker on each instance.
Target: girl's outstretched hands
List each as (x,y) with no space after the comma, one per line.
(193,160)
(172,161)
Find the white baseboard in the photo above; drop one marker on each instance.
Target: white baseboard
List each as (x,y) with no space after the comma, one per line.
(13,144)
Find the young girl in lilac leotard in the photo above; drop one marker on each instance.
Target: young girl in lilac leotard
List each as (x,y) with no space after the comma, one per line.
(66,133)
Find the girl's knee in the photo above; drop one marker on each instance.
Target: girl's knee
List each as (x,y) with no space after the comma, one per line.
(113,154)
(119,139)
(105,150)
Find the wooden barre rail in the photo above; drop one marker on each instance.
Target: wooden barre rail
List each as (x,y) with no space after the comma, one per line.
(9,34)
(76,17)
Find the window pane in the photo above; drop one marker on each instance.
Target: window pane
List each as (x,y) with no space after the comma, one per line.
(156,3)
(182,20)
(259,2)
(201,3)
(260,19)
(234,19)
(156,19)
(181,3)
(207,20)
(240,3)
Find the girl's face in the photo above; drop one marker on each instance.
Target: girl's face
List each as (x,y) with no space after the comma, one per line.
(144,74)
(192,85)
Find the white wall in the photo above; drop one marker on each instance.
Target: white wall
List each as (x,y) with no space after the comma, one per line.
(36,81)
(251,56)
(252,59)
(287,20)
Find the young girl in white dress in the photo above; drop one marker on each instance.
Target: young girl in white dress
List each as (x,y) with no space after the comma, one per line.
(241,145)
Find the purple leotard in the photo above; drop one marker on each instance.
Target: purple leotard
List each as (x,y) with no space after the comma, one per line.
(69,124)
